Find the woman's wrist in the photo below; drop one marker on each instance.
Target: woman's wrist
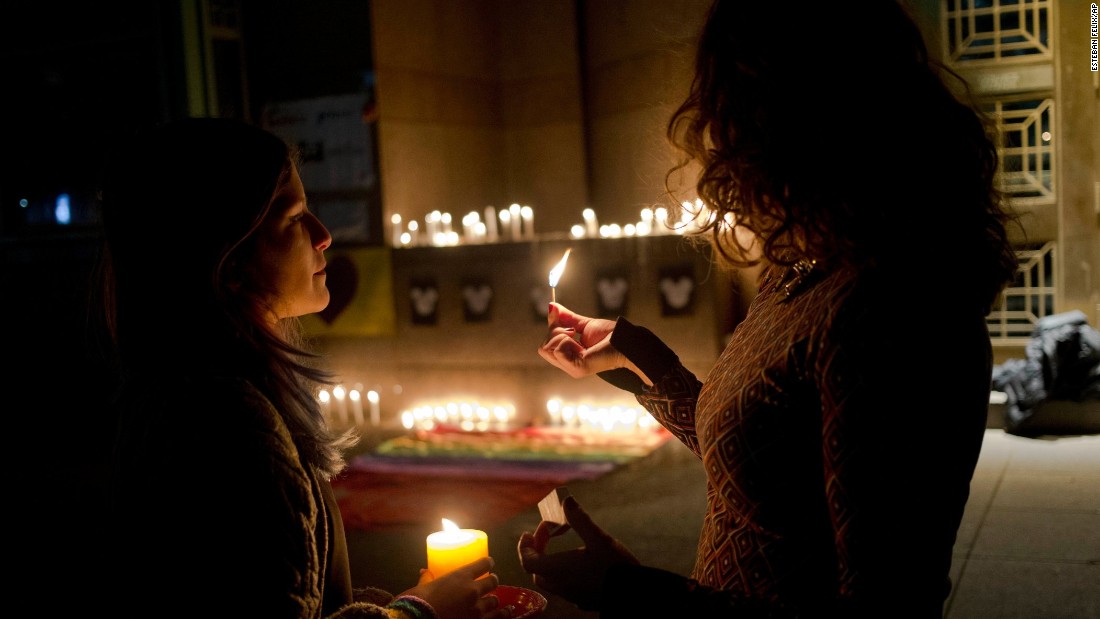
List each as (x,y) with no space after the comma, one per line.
(629,365)
(648,357)
(412,606)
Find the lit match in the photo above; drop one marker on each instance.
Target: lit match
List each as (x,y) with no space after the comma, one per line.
(555,275)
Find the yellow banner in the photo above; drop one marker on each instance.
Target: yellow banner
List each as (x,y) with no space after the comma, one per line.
(360,281)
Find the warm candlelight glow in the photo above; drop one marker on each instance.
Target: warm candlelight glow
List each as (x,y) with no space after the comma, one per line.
(559,268)
(356,405)
(465,416)
(338,392)
(454,547)
(555,275)
(375,411)
(591,225)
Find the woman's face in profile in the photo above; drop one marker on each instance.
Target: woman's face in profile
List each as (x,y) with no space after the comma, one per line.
(290,260)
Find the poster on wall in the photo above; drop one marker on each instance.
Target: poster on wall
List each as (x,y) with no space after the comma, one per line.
(424,301)
(612,292)
(335,139)
(677,287)
(477,300)
(360,284)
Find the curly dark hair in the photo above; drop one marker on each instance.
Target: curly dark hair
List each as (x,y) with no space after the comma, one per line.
(826,129)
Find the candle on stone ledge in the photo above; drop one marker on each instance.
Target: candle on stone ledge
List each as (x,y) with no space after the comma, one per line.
(446,219)
(528,215)
(517,221)
(490,224)
(591,224)
(433,225)
(395,221)
(454,547)
(661,217)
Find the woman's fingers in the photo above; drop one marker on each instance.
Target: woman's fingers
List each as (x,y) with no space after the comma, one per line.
(542,535)
(560,316)
(477,568)
(528,552)
(556,331)
(489,607)
(581,522)
(485,584)
(565,353)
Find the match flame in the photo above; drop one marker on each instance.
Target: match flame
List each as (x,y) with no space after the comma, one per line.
(559,268)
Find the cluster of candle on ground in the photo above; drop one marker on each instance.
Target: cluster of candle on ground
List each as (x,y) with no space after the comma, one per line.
(454,547)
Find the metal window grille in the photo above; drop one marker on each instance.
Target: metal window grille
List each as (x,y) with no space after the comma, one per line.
(1026,148)
(997,30)
(1028,299)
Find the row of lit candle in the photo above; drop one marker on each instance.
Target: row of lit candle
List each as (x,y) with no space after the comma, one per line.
(476,417)
(653,222)
(468,416)
(587,417)
(515,223)
(348,404)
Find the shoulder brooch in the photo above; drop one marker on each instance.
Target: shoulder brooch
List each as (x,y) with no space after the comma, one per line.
(797,277)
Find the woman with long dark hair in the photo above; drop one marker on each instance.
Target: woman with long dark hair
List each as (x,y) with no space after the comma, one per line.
(220,494)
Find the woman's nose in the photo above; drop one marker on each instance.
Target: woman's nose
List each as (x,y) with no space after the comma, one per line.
(321,236)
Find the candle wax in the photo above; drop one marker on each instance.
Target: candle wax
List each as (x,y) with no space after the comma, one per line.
(450,550)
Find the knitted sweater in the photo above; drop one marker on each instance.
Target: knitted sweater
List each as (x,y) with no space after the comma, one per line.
(837,473)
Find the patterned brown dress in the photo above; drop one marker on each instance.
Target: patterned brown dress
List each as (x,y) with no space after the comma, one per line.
(839,431)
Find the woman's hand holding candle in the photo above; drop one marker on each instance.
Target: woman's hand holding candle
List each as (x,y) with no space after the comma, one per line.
(581,346)
(463,593)
(453,547)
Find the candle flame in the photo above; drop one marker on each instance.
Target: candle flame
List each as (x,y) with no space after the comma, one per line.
(450,526)
(555,273)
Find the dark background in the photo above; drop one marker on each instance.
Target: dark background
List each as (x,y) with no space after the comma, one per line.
(74,77)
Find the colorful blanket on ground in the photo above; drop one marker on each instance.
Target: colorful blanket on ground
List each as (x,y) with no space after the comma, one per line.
(476,479)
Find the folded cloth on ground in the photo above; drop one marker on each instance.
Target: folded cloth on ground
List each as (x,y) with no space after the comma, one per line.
(476,479)
(534,443)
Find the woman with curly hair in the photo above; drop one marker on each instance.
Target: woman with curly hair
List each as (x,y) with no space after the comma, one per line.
(834,153)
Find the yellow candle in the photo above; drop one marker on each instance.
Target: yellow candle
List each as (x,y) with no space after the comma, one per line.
(453,547)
